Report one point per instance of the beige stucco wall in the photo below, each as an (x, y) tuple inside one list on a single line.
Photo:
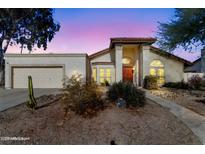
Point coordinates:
[(73, 63), (88, 69), (108, 57), (118, 62), (174, 70), (133, 52)]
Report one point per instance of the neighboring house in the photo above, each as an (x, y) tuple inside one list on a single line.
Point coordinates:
[(197, 67), (126, 59)]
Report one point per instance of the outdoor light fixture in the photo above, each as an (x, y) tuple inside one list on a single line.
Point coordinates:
[(133, 69)]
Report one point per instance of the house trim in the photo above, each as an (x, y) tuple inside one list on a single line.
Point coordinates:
[(169, 55), (103, 63)]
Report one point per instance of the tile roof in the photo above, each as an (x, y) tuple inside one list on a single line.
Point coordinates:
[(99, 53), (162, 52), (132, 40)]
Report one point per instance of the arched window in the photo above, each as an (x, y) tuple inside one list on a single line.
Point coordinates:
[(127, 61), (157, 69)]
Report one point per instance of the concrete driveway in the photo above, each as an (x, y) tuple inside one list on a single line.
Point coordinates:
[(12, 97)]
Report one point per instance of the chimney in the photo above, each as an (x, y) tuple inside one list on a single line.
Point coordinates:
[(203, 60)]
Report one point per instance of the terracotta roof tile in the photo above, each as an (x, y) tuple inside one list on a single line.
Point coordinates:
[(131, 40)]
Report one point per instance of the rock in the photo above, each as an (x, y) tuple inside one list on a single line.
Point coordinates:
[(121, 102), (60, 123)]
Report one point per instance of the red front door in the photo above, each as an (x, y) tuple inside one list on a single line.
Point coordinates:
[(127, 74)]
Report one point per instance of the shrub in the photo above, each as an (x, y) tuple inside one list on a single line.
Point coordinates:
[(195, 82), (177, 85), (133, 96), (150, 82), (105, 83), (81, 97)]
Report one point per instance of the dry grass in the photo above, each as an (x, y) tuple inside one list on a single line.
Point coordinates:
[(50, 125)]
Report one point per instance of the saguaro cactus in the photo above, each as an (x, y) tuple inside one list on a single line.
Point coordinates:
[(32, 101)]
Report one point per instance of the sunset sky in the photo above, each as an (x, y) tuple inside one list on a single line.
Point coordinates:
[(90, 30)]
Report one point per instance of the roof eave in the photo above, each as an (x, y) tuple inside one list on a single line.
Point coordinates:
[(99, 53), (173, 56), (145, 41)]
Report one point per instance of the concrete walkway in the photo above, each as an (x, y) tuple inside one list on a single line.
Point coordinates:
[(193, 120), (12, 97)]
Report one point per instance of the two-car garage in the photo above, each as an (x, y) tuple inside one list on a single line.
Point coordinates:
[(47, 70), (42, 76)]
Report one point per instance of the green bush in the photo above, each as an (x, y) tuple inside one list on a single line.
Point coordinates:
[(107, 83), (133, 96), (177, 85), (81, 97), (150, 82)]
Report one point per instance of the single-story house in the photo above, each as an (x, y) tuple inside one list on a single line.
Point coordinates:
[(126, 59), (197, 67)]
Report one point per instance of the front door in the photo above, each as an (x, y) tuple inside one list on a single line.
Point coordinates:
[(127, 74)]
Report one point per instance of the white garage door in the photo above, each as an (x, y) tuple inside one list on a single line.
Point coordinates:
[(43, 77)]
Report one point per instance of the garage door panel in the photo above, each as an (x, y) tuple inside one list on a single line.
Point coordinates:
[(42, 77)]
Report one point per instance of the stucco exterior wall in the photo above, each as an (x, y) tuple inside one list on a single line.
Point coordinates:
[(108, 57), (73, 63), (133, 52), (130, 52), (118, 62), (88, 69), (174, 70)]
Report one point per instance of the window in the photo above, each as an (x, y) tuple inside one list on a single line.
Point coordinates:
[(126, 61), (157, 69), (105, 74), (95, 74)]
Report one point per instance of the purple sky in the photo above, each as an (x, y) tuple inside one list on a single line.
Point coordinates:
[(90, 30)]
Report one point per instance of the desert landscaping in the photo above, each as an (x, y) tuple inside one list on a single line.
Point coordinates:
[(49, 124), (191, 99)]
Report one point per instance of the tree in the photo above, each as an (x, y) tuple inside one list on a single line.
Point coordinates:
[(186, 29), (28, 28)]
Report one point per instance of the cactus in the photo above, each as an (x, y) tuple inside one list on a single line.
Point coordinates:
[(32, 101)]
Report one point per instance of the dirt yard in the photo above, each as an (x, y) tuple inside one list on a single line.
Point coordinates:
[(193, 100), (148, 125)]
